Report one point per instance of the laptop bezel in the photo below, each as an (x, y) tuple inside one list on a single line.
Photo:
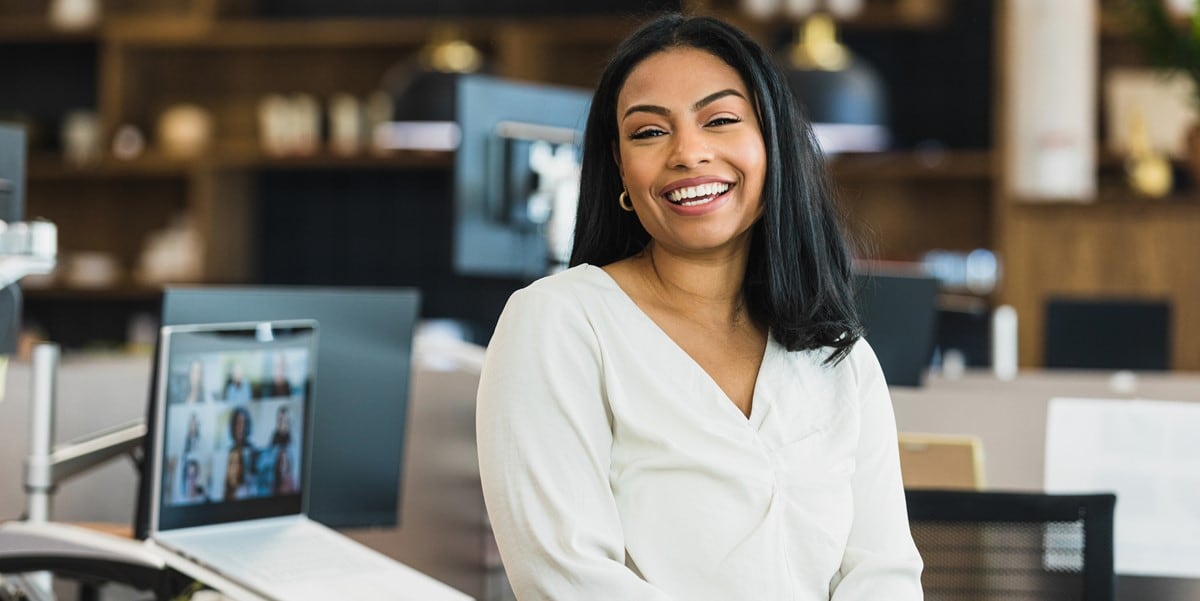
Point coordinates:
[(162, 364)]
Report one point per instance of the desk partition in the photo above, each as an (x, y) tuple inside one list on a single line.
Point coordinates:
[(1010, 419)]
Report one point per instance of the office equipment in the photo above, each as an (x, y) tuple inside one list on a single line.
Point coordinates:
[(967, 330), (1146, 452), (230, 495), (1108, 334), (898, 313), (842, 94), (941, 461), (1010, 419), (12, 204), (365, 359), (12, 173), (983, 545), (516, 186)]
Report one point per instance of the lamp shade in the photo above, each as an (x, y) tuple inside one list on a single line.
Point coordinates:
[(852, 95), (843, 95)]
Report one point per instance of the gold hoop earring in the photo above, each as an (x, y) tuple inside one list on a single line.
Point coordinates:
[(624, 201)]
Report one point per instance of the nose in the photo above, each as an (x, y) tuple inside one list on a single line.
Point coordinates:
[(689, 148)]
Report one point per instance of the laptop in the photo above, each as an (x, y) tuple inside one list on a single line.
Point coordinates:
[(233, 432)]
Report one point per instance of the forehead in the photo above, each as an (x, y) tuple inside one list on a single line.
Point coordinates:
[(678, 76)]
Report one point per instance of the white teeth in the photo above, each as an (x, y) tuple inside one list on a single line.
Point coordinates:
[(703, 191)]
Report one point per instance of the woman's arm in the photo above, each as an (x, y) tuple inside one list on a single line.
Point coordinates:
[(544, 434), (881, 561)]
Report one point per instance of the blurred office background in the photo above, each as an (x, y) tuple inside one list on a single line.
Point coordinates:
[(1012, 153), (232, 141)]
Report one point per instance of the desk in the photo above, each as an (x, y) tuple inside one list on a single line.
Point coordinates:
[(443, 532), (1010, 419)]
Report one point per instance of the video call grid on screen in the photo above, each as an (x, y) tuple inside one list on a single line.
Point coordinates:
[(234, 427)]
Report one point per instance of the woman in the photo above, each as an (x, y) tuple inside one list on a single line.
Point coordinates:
[(235, 475), (688, 412), (193, 486), (195, 393), (279, 385)]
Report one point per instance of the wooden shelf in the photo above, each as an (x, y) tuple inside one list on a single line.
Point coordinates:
[(889, 166), (154, 166), (262, 34), (1115, 201), (128, 292), (47, 166), (36, 29), (253, 158), (875, 14)]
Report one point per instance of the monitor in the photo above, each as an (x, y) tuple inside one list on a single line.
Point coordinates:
[(515, 172), (1108, 333), (361, 393), (12, 208), (899, 316)]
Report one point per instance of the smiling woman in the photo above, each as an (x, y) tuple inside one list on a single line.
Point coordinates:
[(690, 152), (688, 412)]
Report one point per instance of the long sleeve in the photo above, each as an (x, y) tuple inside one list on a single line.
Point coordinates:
[(545, 435), (880, 561)]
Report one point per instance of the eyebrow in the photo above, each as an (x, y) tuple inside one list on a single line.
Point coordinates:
[(664, 111)]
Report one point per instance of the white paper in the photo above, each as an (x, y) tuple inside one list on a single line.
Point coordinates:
[(1148, 453)]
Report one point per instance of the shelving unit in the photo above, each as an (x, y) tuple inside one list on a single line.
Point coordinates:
[(1116, 245), (217, 55)]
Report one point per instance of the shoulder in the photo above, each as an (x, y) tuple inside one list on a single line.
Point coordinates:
[(556, 306), (568, 292), (856, 376), (861, 360)]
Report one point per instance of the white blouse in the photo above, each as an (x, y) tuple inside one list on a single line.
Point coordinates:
[(614, 467)]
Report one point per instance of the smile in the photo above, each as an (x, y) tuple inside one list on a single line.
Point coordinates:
[(693, 196)]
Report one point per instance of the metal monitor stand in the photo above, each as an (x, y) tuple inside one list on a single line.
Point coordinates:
[(30, 547), (38, 541), (47, 466)]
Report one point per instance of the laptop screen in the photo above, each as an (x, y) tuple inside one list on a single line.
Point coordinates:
[(233, 434)]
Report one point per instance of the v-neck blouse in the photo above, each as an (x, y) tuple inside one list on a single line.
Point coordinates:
[(615, 467)]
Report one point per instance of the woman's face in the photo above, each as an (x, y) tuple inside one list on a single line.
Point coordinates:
[(690, 151), (239, 426), (280, 370)]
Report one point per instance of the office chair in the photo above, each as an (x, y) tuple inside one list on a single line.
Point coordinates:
[(983, 546), (1108, 334)]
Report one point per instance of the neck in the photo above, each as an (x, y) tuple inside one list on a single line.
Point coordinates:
[(709, 288)]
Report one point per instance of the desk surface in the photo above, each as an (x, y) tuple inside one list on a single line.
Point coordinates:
[(1010, 419)]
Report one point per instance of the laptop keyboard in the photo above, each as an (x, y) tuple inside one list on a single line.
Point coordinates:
[(294, 553)]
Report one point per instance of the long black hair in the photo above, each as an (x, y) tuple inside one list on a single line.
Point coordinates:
[(798, 279)]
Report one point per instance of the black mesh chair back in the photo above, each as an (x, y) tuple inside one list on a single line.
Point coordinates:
[(994, 546)]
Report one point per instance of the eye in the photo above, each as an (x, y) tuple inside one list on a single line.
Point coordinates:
[(649, 132), (719, 121)]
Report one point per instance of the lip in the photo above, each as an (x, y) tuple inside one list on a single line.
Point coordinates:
[(704, 209), (693, 181)]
